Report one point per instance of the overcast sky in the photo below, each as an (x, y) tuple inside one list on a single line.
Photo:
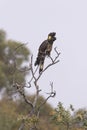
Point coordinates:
[(31, 21)]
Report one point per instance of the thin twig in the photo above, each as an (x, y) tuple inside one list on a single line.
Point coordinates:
[(32, 76), (19, 46), (31, 66)]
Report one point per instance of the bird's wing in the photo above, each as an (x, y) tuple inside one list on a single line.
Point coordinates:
[(43, 46)]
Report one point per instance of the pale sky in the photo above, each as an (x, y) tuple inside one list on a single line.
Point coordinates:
[(31, 21)]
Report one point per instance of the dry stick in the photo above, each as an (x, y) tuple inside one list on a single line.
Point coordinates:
[(36, 86), (21, 70), (54, 61), (52, 94), (36, 96), (22, 93), (35, 83), (56, 53), (22, 125), (32, 76)]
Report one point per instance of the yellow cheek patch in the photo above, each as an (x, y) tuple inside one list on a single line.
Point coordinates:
[(49, 37)]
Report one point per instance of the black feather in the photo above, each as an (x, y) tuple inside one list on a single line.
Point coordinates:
[(44, 50)]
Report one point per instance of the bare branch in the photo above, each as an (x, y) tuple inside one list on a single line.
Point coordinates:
[(32, 76), (22, 125), (36, 96), (31, 66), (35, 82), (21, 91), (53, 61), (20, 88), (51, 94), (58, 53), (23, 70)]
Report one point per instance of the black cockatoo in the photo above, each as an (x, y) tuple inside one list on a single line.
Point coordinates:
[(45, 50)]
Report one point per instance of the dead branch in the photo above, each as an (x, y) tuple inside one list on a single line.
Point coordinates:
[(23, 70), (31, 66), (53, 61), (51, 94), (34, 79), (22, 125), (20, 89)]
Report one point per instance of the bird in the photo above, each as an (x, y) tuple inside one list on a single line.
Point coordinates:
[(45, 50)]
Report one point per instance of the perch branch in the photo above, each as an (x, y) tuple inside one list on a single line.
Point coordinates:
[(53, 61)]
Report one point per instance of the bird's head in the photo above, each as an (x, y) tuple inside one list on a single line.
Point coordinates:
[(51, 36)]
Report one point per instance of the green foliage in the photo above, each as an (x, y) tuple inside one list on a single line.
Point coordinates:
[(12, 113), (8, 117), (13, 56), (69, 119), (29, 120), (62, 116), (2, 36), (81, 118)]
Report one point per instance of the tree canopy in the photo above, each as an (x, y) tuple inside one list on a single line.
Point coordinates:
[(11, 114), (13, 55)]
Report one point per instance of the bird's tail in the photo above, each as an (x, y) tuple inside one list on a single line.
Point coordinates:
[(37, 62), (40, 61), (41, 66)]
